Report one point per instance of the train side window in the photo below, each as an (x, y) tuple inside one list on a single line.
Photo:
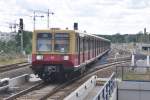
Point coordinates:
[(76, 49), (93, 47), (81, 44), (84, 44), (77, 43), (87, 44)]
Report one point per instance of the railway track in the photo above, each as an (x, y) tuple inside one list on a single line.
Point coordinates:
[(121, 53), (110, 60), (13, 66), (60, 94), (44, 91)]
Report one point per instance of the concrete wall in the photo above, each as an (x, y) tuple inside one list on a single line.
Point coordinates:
[(132, 90), (114, 95)]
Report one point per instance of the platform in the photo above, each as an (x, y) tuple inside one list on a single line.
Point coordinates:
[(94, 89)]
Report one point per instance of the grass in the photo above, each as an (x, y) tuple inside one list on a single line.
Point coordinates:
[(137, 76), (6, 60)]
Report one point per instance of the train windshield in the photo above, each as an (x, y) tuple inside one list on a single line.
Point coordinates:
[(44, 42), (61, 42)]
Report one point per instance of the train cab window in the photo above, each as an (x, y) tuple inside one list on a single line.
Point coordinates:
[(81, 44), (44, 42), (77, 43), (61, 42)]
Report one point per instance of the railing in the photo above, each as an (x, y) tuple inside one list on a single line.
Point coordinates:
[(106, 91)]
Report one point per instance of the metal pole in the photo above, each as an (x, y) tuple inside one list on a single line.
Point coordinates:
[(22, 41), (48, 14), (148, 57), (48, 19), (34, 21)]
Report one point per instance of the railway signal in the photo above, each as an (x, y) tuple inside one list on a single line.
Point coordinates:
[(21, 24), (21, 33), (75, 26)]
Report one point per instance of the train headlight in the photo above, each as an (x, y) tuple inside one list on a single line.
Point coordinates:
[(39, 57), (66, 57)]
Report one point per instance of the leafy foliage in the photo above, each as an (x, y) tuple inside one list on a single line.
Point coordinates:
[(14, 46), (127, 38), (27, 41)]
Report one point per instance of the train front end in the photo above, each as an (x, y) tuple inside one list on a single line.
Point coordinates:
[(52, 53)]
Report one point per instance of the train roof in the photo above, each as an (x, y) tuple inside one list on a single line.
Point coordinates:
[(76, 31), (92, 35)]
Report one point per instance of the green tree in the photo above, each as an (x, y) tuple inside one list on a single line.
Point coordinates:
[(27, 41)]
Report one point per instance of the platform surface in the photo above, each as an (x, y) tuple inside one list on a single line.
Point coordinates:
[(93, 93)]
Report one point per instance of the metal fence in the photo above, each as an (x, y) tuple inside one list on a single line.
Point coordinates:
[(128, 73), (106, 91)]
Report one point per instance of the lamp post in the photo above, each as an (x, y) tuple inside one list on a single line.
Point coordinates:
[(21, 27)]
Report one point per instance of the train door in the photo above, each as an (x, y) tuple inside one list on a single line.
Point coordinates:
[(78, 44), (92, 48), (84, 49), (99, 46), (81, 50), (96, 47), (88, 48), (102, 46)]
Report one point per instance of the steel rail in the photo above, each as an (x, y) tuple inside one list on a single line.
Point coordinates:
[(88, 74), (12, 97), (13, 66), (57, 88)]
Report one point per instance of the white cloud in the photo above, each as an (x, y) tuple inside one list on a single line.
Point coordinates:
[(95, 16)]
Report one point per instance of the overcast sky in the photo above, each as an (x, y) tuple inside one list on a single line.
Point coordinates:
[(94, 16)]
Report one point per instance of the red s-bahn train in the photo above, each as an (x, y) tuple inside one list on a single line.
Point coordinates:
[(57, 54)]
